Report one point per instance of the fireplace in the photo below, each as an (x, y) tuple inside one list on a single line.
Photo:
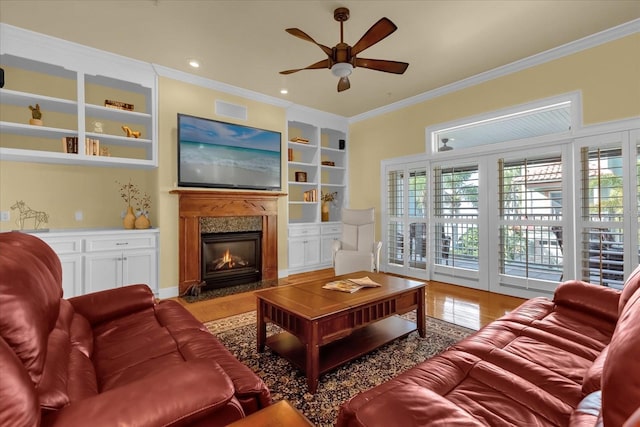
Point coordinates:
[(197, 204), (230, 258)]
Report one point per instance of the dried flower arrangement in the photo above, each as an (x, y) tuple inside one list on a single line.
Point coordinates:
[(129, 192), (131, 196), (328, 197)]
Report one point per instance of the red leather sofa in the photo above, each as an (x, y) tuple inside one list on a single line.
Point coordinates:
[(112, 358), (570, 361)]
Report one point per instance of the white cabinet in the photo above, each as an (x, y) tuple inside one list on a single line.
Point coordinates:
[(121, 259), (95, 260), (310, 246), (304, 247), (72, 84), (69, 250)]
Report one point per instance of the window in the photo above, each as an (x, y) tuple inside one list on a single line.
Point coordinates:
[(546, 119), (530, 204)]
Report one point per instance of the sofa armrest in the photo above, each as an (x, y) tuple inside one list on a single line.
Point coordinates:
[(175, 396), (98, 307), (407, 405), (596, 299)]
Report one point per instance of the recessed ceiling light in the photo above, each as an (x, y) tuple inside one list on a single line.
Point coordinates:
[(194, 63), (284, 91)]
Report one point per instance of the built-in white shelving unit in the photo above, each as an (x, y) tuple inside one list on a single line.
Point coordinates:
[(71, 82), (318, 165)]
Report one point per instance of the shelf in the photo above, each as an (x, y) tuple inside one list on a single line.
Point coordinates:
[(333, 168), (120, 140), (330, 150), (302, 164), (114, 114), (294, 202), (36, 131), (302, 145), (47, 103), (332, 185), (308, 184), (18, 155)]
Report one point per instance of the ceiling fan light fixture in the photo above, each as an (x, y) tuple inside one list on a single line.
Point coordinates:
[(341, 69)]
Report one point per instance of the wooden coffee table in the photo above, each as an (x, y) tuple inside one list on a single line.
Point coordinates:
[(324, 329)]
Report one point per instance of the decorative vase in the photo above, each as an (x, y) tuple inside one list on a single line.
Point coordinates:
[(325, 211), (129, 219), (35, 122), (142, 222)]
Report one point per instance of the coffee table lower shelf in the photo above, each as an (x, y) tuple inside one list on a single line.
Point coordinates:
[(360, 342)]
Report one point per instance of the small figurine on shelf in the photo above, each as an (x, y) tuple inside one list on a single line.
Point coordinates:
[(36, 115), (131, 133)]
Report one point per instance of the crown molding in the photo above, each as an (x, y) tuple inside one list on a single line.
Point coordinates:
[(171, 73), (584, 43)]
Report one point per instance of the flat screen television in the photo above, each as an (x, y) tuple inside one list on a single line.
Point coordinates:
[(225, 155)]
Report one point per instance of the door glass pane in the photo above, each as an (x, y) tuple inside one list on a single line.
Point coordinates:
[(603, 214), (456, 209), (531, 210), (395, 208)]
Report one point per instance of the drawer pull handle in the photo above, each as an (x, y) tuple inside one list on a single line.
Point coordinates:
[(122, 243)]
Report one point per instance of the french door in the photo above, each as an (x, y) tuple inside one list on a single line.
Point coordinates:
[(406, 240)]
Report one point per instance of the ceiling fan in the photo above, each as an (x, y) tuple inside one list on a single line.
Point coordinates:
[(342, 58)]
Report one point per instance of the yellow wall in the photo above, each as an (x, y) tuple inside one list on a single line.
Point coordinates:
[(608, 77), (179, 97)]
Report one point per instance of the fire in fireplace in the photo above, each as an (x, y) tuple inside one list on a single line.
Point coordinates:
[(231, 258)]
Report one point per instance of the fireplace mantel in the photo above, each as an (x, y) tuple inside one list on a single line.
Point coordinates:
[(194, 204)]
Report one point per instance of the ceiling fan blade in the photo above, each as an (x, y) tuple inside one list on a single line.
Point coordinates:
[(325, 63), (377, 32), (343, 84), (304, 36), (394, 67)]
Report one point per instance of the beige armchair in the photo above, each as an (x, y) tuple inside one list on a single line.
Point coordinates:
[(357, 250)]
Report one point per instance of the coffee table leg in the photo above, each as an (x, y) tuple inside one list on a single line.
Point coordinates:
[(261, 327), (421, 313), (313, 358)]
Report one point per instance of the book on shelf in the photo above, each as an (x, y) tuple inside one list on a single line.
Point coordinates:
[(351, 285), (118, 105), (92, 147), (310, 195), (70, 144)]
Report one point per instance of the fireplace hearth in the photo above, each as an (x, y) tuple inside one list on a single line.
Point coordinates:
[(230, 259)]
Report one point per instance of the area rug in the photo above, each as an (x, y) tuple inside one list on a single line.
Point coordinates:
[(238, 333)]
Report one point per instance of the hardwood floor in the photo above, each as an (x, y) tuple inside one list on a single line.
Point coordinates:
[(455, 304)]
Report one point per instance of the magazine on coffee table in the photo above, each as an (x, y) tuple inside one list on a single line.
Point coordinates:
[(351, 285)]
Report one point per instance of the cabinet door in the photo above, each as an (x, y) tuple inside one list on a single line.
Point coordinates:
[(296, 253), (103, 271), (312, 251), (71, 275), (327, 249), (138, 267)]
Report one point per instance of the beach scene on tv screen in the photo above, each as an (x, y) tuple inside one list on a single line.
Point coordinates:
[(224, 154)]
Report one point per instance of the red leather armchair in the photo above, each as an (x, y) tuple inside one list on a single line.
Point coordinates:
[(110, 358), (570, 361)]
